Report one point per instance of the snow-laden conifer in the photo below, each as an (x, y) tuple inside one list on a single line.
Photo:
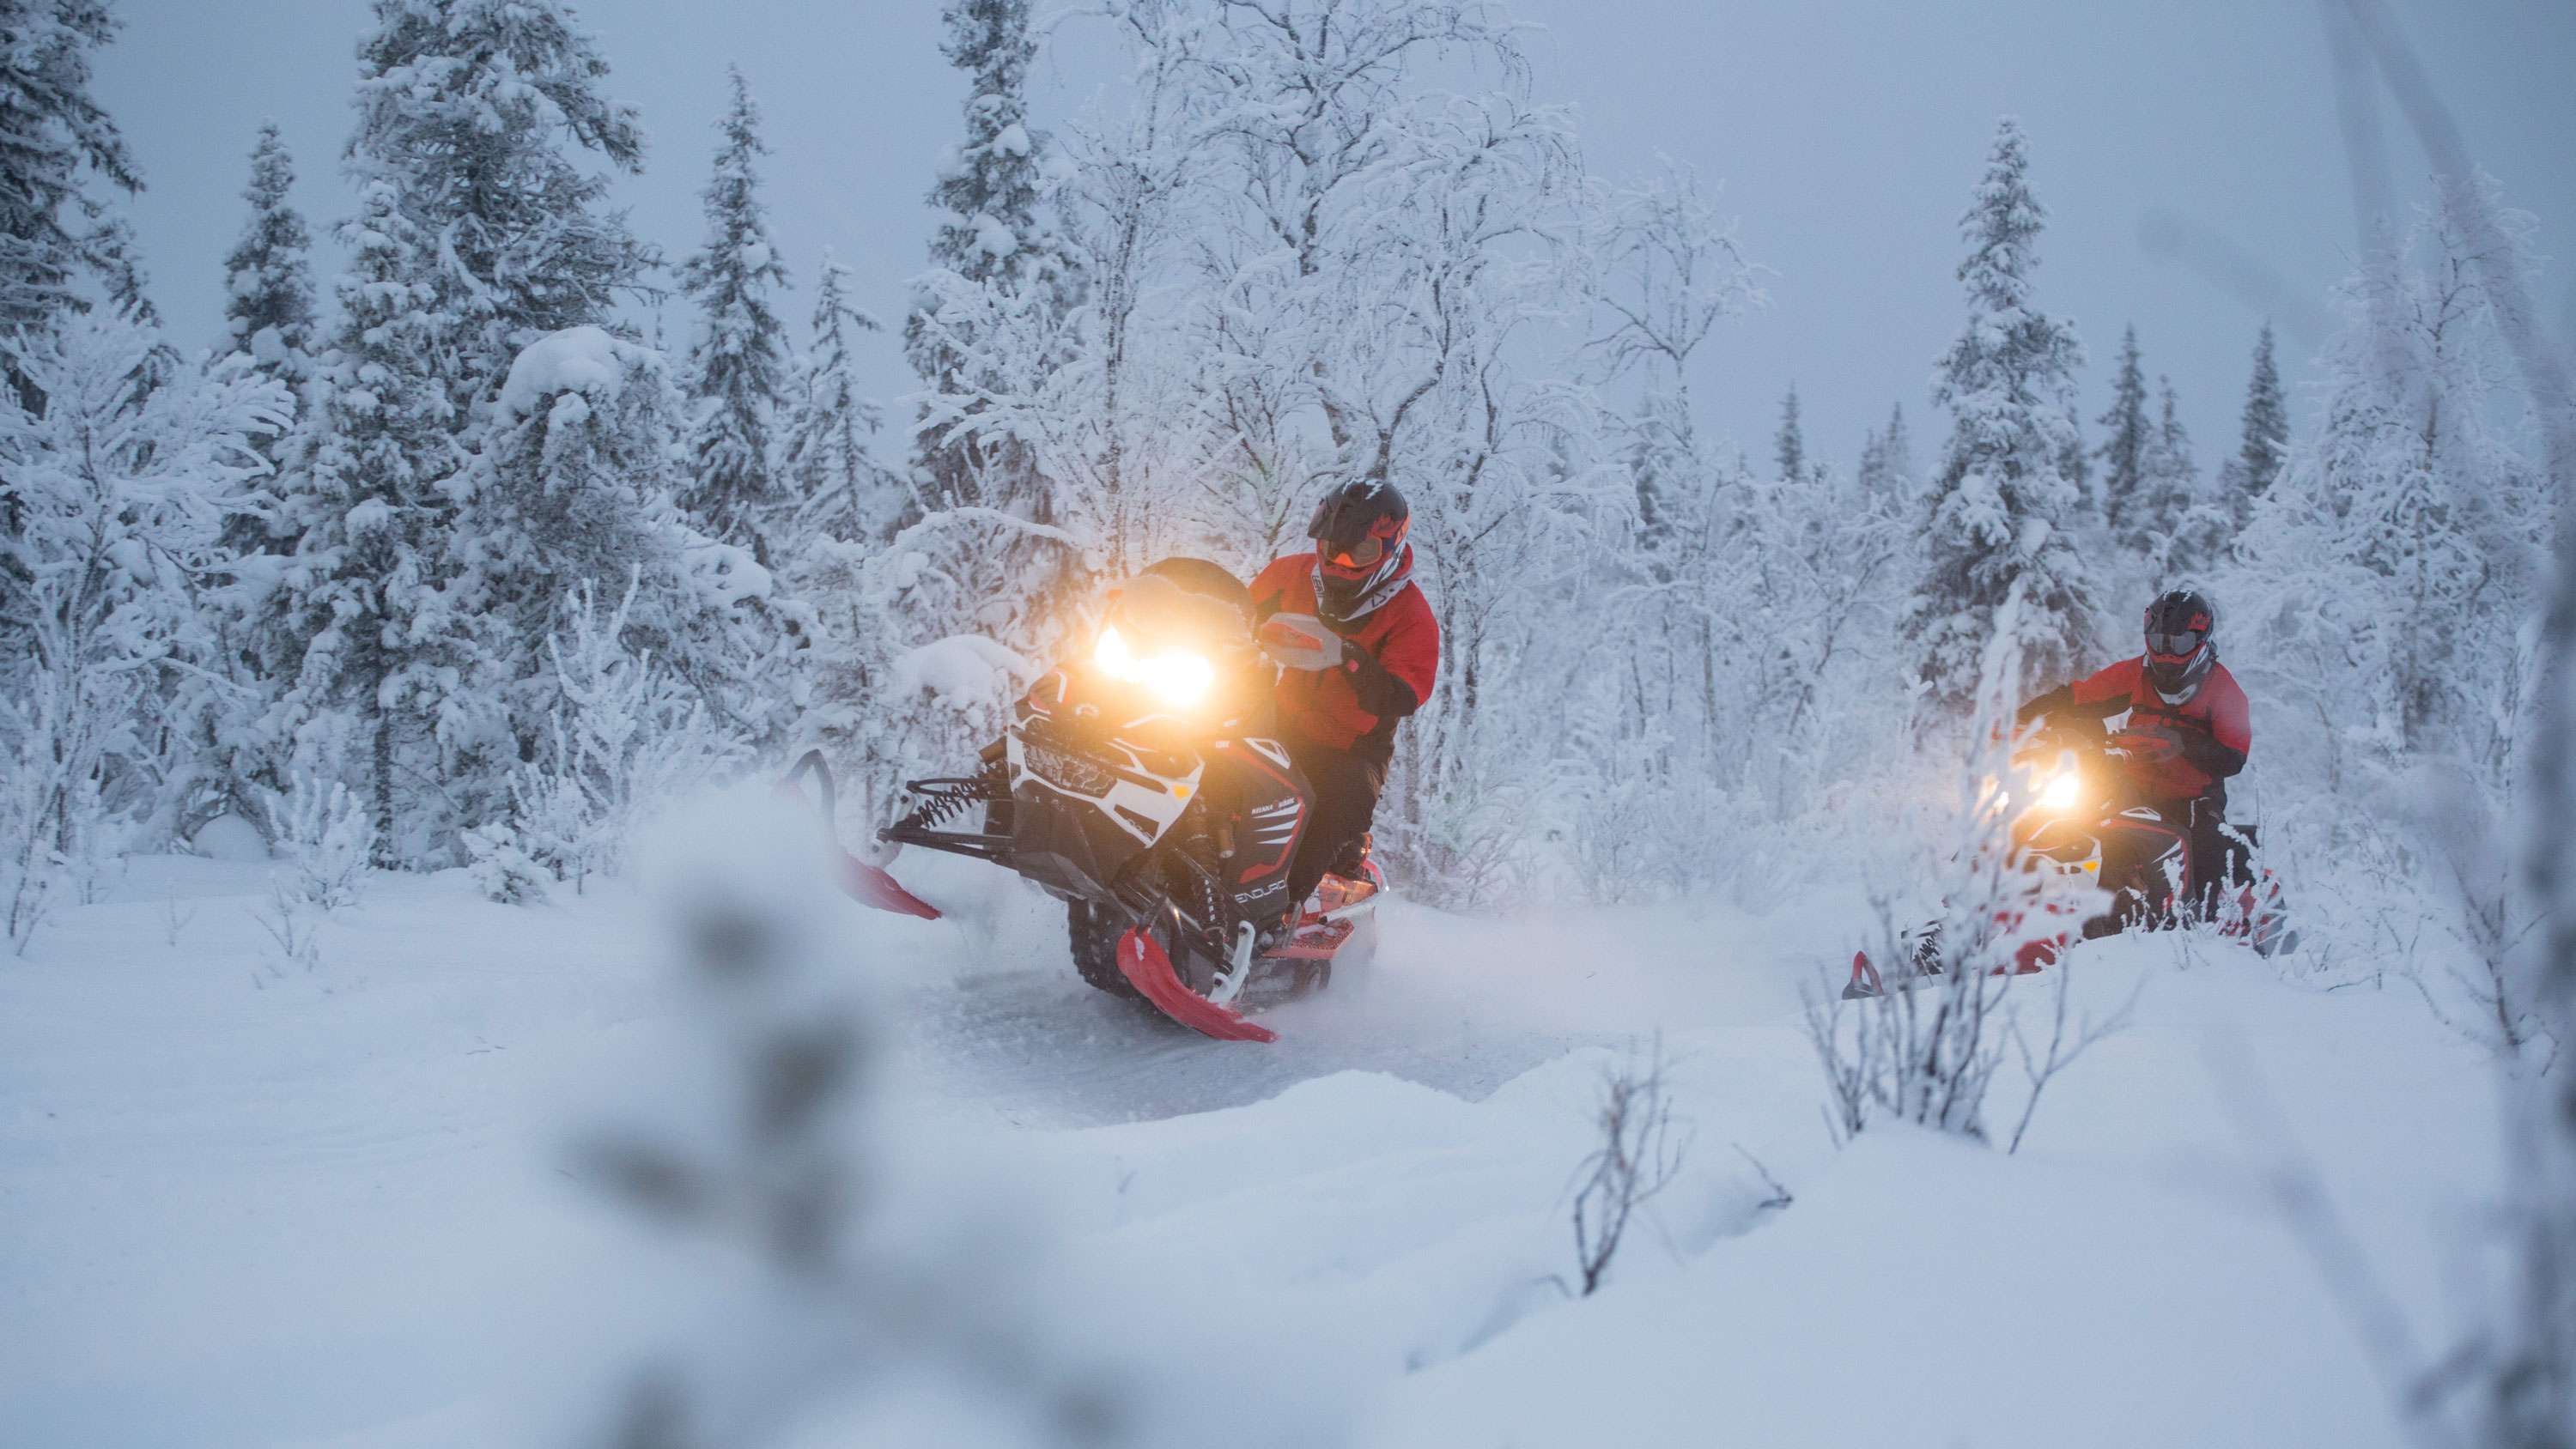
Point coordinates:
[(346, 641), (268, 275), (736, 367), (840, 491), (2002, 503), (1887, 459), (465, 108), (2129, 437), (2163, 522), (480, 235), (2248, 476), (1789, 445), (993, 238), (53, 134)]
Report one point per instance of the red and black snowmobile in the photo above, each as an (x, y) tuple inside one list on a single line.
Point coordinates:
[(2081, 816), (1139, 784)]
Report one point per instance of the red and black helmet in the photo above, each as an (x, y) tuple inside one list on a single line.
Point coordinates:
[(1359, 532), (2181, 643)]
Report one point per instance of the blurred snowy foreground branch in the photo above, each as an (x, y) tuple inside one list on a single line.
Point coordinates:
[(824, 1265)]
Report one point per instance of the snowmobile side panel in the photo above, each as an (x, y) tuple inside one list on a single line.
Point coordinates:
[(1146, 968)]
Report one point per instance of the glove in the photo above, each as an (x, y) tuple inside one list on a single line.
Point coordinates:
[(2151, 743), (1300, 641)]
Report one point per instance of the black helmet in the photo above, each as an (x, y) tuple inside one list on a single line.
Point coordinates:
[(1359, 532), (2181, 643)]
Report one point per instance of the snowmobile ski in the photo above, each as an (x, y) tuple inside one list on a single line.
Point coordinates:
[(1147, 969), (862, 882)]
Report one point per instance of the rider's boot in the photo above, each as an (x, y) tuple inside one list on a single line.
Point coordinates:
[(1352, 879)]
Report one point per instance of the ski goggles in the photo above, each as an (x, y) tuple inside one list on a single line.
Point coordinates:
[(1355, 558), (2176, 646)]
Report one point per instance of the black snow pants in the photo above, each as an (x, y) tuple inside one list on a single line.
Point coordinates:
[(2213, 859), (1346, 786)]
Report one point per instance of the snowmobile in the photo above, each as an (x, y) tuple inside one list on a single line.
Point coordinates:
[(2083, 817), (1139, 784)]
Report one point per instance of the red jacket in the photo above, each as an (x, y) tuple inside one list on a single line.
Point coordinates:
[(1387, 677), (2215, 726)]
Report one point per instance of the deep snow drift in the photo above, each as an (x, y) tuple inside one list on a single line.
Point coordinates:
[(250, 1204)]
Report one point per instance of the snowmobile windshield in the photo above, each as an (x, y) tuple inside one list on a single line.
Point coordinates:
[(1153, 610)]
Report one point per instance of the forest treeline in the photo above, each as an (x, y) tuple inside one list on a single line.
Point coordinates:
[(443, 551)]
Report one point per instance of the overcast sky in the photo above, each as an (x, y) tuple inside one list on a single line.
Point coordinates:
[(1847, 135)]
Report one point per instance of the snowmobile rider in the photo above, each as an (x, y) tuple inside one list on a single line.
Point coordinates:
[(2188, 731), (1359, 648)]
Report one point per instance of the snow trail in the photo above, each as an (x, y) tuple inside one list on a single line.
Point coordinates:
[(251, 1206)]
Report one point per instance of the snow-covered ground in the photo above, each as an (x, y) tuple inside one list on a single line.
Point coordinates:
[(243, 1203)]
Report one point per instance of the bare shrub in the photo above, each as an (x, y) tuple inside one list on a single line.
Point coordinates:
[(1926, 1049), (1640, 1153)]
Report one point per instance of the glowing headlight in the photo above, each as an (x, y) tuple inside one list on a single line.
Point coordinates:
[(2062, 792), (1177, 678)]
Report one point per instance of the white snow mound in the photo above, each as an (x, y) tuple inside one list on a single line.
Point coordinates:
[(961, 669), (585, 359)]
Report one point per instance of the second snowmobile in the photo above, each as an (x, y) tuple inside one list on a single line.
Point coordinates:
[(2079, 815)]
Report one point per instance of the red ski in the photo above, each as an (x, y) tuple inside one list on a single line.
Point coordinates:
[(862, 882), (1150, 972)]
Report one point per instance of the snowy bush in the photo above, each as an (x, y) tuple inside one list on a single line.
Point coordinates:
[(1926, 1049), (621, 735), (323, 830), (112, 570)]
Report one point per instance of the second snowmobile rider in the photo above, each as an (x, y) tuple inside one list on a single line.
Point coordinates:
[(1360, 649), (2188, 731)]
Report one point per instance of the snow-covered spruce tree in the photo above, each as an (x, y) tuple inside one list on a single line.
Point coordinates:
[(53, 134), (2129, 437), (268, 275), (992, 238), (1887, 459), (2247, 477), (2002, 502), (2159, 523), (111, 650), (480, 236), (268, 305), (737, 361), (840, 491), (1789, 445), (569, 497), (342, 632)]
